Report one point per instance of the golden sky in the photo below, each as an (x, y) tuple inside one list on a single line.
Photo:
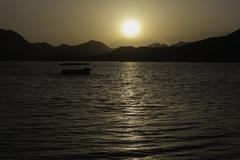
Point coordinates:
[(77, 21)]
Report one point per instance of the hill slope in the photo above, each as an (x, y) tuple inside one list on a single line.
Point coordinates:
[(15, 47), (218, 49)]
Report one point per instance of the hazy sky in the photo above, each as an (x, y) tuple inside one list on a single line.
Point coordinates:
[(77, 21)]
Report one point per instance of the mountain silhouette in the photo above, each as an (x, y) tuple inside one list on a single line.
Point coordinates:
[(85, 50), (235, 34), (217, 49), (15, 47), (9, 39), (179, 44), (157, 45)]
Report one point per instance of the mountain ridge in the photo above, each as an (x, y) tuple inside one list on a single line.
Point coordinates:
[(14, 47), (216, 49)]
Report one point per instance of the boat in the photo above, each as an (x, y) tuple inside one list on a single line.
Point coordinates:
[(75, 68)]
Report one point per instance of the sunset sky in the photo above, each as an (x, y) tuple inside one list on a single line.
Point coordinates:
[(77, 21)]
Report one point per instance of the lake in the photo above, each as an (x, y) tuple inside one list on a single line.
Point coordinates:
[(165, 111)]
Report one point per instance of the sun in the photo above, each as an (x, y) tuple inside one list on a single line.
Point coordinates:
[(131, 28)]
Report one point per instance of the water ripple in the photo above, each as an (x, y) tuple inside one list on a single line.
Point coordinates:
[(133, 111)]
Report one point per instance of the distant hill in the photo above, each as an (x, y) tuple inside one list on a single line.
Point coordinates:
[(15, 47), (9, 39), (83, 51), (157, 45), (180, 44), (218, 49)]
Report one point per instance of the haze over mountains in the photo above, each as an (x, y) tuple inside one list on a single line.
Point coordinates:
[(155, 45), (219, 49)]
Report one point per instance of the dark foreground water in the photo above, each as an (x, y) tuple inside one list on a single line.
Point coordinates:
[(165, 111)]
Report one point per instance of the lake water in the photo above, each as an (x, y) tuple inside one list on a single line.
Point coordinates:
[(165, 111)]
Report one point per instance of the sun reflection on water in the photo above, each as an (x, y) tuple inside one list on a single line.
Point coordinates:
[(131, 115)]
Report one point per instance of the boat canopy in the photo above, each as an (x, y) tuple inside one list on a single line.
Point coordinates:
[(74, 64)]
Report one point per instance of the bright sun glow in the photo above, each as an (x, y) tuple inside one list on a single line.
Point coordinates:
[(131, 28)]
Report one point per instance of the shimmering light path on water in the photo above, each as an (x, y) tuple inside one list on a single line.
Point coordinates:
[(121, 111)]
